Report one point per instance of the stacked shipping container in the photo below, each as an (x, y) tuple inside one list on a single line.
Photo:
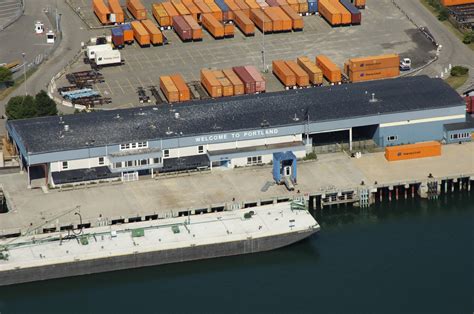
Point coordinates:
[(116, 10), (101, 11), (330, 70), (373, 68)]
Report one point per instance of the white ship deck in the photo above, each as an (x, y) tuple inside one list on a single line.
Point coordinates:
[(154, 235)]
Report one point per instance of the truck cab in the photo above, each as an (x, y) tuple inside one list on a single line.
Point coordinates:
[(405, 64)]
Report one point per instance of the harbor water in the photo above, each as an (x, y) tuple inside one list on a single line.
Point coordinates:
[(408, 256)]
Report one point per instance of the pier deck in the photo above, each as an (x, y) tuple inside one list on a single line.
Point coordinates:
[(167, 196)]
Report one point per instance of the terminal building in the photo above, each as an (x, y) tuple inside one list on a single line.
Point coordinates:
[(236, 131)]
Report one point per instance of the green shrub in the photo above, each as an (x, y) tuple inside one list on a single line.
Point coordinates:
[(459, 71)]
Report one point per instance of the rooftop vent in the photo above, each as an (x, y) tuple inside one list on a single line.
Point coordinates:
[(295, 118), (117, 116), (176, 115), (169, 132), (66, 128), (61, 120), (264, 123), (373, 99)]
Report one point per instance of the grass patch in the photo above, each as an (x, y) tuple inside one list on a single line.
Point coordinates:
[(7, 91), (447, 23), (457, 81)]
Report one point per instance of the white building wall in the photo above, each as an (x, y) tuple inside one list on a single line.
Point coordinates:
[(267, 158), (78, 164)]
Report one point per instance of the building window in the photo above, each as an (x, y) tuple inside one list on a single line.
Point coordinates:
[(101, 160), (200, 149), (392, 138), (133, 145), (130, 163), (157, 160), (143, 162), (65, 165), (166, 153), (254, 160)]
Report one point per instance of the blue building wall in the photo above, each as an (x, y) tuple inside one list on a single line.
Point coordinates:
[(412, 133), (460, 135)]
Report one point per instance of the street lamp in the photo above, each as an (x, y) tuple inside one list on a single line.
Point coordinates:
[(263, 41), (24, 71)]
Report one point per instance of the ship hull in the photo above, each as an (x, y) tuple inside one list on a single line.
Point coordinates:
[(115, 263)]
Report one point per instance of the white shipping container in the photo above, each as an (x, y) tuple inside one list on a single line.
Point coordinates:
[(108, 57), (92, 50)]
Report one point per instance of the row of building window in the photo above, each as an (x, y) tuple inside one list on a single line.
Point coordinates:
[(166, 152), (65, 164), (459, 136), (392, 138), (137, 145), (136, 163), (254, 160)]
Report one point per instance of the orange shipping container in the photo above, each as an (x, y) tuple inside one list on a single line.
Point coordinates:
[(368, 75), (260, 19), (244, 23), (329, 12), (286, 20), (180, 7), (210, 83), (294, 5), (243, 6), (374, 62), (302, 78), (227, 87), (140, 33), (193, 9), (232, 6), (197, 30), (296, 20), (213, 26), (161, 15), (303, 6), (277, 20), (360, 4), (116, 9), (413, 151), (346, 17), (156, 37), (170, 10), (283, 72), (252, 4), (202, 7), (169, 89), (228, 30), (137, 9), (315, 74), (183, 89), (236, 82), (448, 3), (101, 11), (330, 71), (214, 9)]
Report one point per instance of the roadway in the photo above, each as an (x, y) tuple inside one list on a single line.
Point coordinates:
[(453, 51)]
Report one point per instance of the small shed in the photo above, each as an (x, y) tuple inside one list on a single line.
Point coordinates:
[(284, 165)]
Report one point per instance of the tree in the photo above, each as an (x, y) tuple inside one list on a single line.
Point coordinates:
[(468, 38), (20, 107), (5, 75), (459, 70), (45, 106), (443, 14)]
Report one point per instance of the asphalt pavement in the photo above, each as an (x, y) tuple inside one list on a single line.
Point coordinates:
[(453, 51)]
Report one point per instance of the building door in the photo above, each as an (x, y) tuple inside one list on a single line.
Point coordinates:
[(130, 176), (287, 171)]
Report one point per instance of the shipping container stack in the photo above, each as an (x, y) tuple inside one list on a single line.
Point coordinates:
[(372, 68), (174, 88), (117, 15), (101, 11), (359, 4), (140, 34)]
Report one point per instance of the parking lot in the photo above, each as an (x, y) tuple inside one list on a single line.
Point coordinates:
[(384, 29)]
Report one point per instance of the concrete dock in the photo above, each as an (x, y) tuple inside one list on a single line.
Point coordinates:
[(167, 196)]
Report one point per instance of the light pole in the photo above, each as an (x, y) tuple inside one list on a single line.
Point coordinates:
[(24, 71), (263, 41)]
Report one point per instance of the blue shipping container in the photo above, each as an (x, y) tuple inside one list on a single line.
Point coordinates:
[(312, 6), (222, 5), (126, 27)]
